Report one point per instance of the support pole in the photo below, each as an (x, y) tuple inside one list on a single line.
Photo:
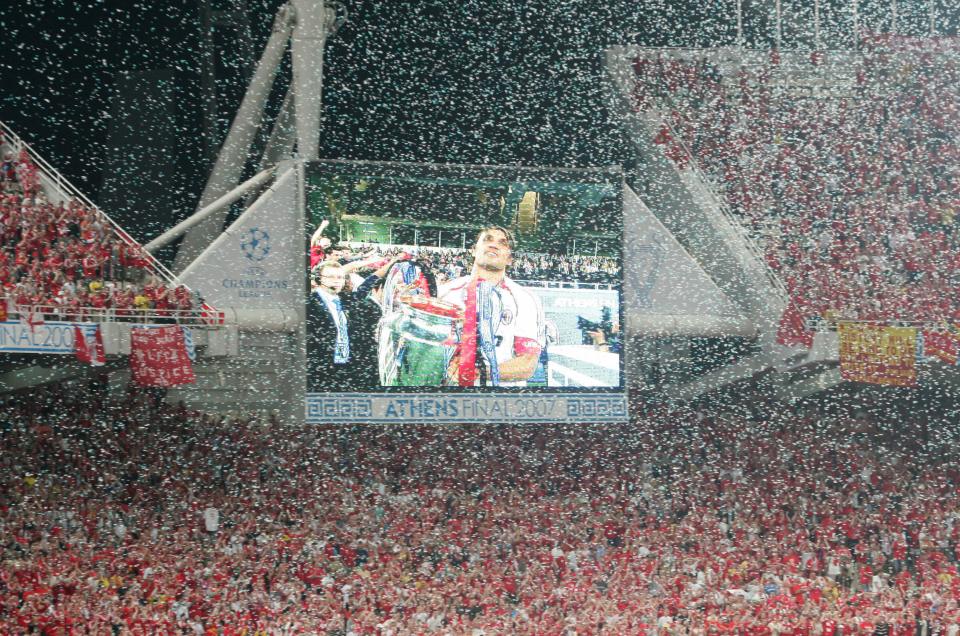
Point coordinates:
[(817, 44), (233, 154), (279, 146), (220, 205), (315, 19), (778, 38), (740, 23), (856, 23)]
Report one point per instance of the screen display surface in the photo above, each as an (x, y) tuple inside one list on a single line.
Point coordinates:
[(445, 279)]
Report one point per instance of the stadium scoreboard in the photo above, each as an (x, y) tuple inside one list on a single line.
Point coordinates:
[(474, 294)]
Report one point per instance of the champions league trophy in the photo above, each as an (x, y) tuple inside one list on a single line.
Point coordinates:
[(416, 335), (419, 334)]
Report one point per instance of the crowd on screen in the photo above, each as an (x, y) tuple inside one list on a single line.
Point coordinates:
[(68, 258), (853, 198), (450, 263), (124, 515)]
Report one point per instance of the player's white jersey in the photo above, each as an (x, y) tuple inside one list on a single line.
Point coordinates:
[(521, 327)]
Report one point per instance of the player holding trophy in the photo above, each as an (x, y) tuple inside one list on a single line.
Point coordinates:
[(503, 324), (482, 329)]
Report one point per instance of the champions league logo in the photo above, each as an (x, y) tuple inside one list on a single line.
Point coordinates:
[(255, 244), (255, 281)]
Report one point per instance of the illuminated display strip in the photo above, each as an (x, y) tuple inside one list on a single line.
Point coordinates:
[(583, 366), (561, 375), (466, 408)]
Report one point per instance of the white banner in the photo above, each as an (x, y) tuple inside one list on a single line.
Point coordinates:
[(660, 277), (466, 408), (48, 337), (258, 261)]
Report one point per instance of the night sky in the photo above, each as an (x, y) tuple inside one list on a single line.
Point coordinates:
[(472, 81)]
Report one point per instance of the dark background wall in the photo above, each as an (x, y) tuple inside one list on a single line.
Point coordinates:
[(111, 91)]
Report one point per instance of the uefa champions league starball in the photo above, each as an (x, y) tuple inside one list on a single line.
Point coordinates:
[(255, 244)]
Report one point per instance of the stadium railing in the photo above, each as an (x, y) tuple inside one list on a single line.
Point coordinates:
[(818, 324), (35, 314)]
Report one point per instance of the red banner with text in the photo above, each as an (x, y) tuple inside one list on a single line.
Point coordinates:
[(158, 357)]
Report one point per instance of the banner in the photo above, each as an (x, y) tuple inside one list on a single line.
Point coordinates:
[(50, 337), (158, 357), (941, 345), (88, 344), (188, 343), (465, 408), (878, 355), (258, 261), (792, 330), (657, 261), (31, 319)]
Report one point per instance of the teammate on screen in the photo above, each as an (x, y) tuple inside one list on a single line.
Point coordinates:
[(328, 329), (520, 328), (319, 244)]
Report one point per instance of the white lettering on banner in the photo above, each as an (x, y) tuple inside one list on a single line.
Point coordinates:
[(580, 302), (254, 288), (233, 283), (158, 357), (50, 337), (373, 408), (420, 407)]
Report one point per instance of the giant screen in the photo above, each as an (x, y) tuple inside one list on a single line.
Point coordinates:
[(463, 293)]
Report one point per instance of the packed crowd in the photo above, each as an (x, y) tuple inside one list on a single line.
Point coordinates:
[(128, 516), (854, 198), (449, 263), (67, 257)]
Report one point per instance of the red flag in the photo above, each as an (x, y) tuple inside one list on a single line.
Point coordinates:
[(88, 345), (792, 330), (942, 345), (158, 357)]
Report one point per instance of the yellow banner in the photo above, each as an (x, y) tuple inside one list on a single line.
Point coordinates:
[(877, 354)]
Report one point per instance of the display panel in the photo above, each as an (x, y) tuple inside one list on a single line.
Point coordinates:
[(462, 280)]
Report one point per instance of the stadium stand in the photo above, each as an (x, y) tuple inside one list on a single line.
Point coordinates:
[(125, 515), (449, 263), (67, 260), (851, 192)]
